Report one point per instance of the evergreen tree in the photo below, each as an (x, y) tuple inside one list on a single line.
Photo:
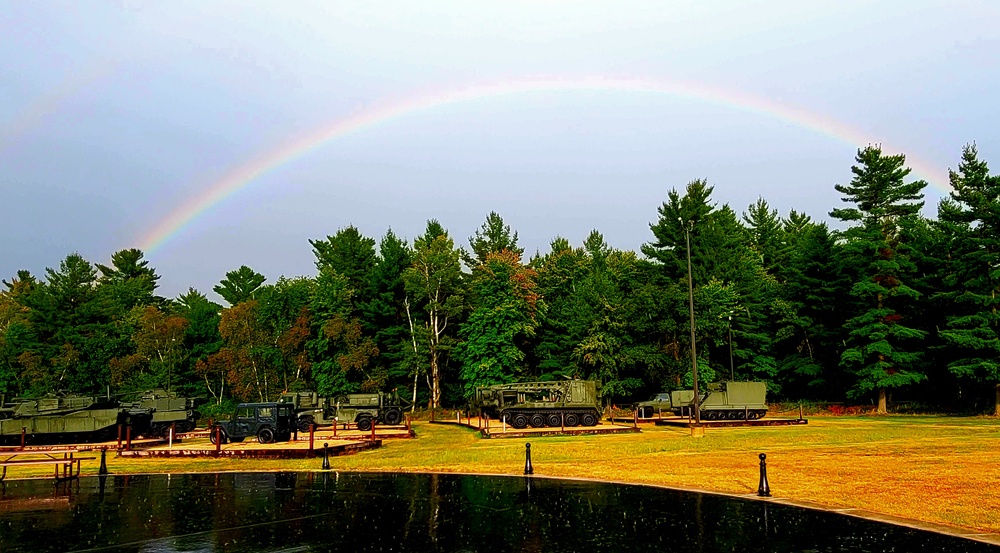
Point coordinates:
[(881, 351), (493, 237), (970, 221), (239, 285)]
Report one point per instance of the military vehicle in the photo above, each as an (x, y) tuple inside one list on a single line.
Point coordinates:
[(167, 409), (268, 422), (540, 404), (361, 409), (60, 418), (654, 406), (719, 401)]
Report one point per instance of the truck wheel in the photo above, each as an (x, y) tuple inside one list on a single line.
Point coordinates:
[(222, 436), (265, 435), (304, 424), (365, 424), (393, 416), (588, 419), (572, 419)]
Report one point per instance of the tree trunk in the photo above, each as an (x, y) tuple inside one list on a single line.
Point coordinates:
[(882, 402), (996, 404)]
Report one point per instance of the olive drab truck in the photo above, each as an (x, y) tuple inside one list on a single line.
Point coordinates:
[(539, 404), (362, 409), (723, 401)]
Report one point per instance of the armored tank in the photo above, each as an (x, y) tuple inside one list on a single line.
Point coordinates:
[(166, 409), (362, 409), (721, 401), (65, 418), (540, 404)]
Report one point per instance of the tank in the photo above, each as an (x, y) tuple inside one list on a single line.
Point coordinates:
[(724, 401), (61, 418), (539, 404), (360, 409), (166, 409)]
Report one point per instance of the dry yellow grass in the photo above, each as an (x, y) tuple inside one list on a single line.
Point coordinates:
[(938, 470)]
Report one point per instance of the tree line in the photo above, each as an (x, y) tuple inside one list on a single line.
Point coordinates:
[(896, 307)]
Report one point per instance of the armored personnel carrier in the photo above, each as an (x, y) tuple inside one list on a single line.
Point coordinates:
[(166, 409), (362, 409), (540, 404), (64, 418)]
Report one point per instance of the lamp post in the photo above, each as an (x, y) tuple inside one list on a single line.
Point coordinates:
[(732, 373), (688, 227)]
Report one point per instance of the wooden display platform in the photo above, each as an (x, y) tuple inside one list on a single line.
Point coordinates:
[(684, 422), (495, 429)]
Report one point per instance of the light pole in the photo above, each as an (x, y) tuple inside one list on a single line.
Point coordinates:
[(688, 227), (732, 373)]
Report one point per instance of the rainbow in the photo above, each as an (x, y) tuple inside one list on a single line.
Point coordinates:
[(240, 177)]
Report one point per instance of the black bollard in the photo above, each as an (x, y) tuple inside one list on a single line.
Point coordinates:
[(763, 490), (528, 469), (104, 462), (326, 457)]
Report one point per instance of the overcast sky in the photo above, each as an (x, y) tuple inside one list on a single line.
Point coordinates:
[(115, 115)]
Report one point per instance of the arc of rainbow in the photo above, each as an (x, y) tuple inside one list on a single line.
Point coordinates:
[(245, 174)]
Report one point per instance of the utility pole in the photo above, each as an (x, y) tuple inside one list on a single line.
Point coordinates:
[(688, 227)]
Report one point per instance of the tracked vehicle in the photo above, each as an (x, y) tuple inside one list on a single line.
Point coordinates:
[(539, 404), (166, 410), (60, 418)]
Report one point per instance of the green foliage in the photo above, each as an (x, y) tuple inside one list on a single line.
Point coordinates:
[(239, 285)]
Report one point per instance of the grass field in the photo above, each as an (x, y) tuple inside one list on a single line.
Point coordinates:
[(932, 469)]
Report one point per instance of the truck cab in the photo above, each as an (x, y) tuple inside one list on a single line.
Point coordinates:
[(268, 422)]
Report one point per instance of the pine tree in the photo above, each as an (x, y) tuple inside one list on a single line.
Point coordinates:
[(970, 219), (881, 352)]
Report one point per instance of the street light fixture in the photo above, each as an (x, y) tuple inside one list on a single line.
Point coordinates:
[(688, 227)]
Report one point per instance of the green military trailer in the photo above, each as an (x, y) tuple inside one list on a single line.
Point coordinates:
[(723, 401), (60, 418), (554, 403), (362, 409)]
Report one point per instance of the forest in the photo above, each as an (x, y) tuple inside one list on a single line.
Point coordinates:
[(894, 309)]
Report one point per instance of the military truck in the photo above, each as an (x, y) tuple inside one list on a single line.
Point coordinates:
[(655, 405), (719, 401), (167, 409), (541, 404), (61, 418), (268, 422), (363, 409)]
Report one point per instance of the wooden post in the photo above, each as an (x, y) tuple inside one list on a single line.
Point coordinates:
[(562, 421), (373, 430), (24, 435), (335, 422), (119, 437), (128, 437), (800, 411), (218, 439), (407, 424), (635, 418), (312, 431)]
